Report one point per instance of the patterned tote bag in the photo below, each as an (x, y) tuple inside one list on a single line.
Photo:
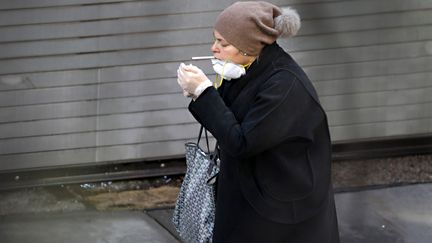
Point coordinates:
[(195, 207)]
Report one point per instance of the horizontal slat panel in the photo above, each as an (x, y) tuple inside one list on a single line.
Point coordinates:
[(147, 103), (41, 96), (47, 111), (377, 21), (148, 119), (145, 8), (17, 4), (58, 126), (374, 84), (77, 77), (156, 55), (106, 27), (358, 38), (47, 159), (47, 143), (111, 154), (203, 20), (362, 54), (106, 43), (91, 124), (150, 72), (367, 69), (89, 92), (158, 86), (384, 129), (376, 99), (140, 88), (359, 7), (108, 11), (90, 108), (380, 114), (49, 79), (93, 139)]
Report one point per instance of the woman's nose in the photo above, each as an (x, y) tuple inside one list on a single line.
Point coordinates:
[(214, 48)]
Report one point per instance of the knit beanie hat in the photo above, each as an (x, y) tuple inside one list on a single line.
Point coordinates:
[(251, 25)]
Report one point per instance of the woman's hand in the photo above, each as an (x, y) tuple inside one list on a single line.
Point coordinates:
[(192, 80)]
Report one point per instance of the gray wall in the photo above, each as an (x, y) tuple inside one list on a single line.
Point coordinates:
[(85, 81)]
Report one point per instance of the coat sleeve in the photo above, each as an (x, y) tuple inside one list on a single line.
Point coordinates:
[(282, 110)]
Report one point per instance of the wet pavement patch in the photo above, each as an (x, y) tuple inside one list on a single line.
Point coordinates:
[(131, 194), (138, 199), (39, 200)]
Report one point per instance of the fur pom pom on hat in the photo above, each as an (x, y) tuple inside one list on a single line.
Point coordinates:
[(288, 23), (249, 26)]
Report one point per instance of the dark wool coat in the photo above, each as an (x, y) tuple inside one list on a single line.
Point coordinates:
[(274, 181)]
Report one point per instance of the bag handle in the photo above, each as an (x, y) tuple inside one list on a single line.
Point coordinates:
[(206, 137), (214, 157), (207, 141)]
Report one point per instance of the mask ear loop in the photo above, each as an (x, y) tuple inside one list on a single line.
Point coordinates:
[(222, 77), (246, 66)]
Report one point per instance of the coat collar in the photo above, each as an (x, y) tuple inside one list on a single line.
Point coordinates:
[(230, 89)]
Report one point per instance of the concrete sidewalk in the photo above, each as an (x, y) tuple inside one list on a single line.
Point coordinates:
[(83, 227), (388, 215)]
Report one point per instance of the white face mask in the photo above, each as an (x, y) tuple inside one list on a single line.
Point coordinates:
[(228, 70)]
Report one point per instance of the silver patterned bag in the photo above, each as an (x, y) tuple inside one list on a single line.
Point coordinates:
[(194, 211)]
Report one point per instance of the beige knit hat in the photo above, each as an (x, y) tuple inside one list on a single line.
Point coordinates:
[(249, 26)]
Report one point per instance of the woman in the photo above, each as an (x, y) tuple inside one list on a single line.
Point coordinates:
[(274, 181)]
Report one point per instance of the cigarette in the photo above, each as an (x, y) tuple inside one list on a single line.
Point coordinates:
[(203, 58)]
